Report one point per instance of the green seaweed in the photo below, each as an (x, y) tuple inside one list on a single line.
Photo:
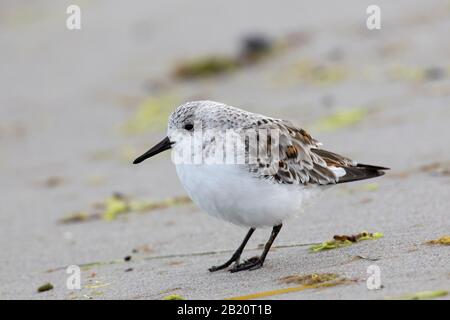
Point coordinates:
[(328, 281), (75, 217), (173, 297), (344, 241), (151, 114), (371, 187), (118, 204), (444, 240), (114, 206), (407, 73), (319, 74), (422, 295), (97, 284), (90, 265), (309, 279), (341, 119), (205, 67)]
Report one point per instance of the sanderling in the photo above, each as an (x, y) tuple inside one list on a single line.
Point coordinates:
[(261, 189)]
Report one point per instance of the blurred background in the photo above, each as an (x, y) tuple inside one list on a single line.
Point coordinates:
[(77, 106)]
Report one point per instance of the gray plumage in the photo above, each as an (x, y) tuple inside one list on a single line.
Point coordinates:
[(301, 159)]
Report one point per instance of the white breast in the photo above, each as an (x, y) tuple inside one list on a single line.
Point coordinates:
[(231, 193)]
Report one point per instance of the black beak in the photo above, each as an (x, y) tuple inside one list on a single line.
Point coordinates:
[(160, 147)]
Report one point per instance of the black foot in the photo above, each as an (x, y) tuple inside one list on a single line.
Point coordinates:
[(236, 255), (250, 264), (222, 266)]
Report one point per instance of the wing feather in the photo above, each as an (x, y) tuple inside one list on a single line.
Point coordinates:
[(302, 161)]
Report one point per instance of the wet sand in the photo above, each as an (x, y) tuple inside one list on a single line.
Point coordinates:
[(70, 126)]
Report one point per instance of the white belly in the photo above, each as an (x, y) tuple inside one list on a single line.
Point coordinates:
[(230, 192)]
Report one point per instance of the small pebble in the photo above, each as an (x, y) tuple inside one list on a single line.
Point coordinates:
[(45, 287)]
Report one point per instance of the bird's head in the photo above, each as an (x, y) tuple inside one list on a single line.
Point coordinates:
[(184, 121)]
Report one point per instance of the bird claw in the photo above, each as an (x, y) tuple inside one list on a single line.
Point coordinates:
[(234, 259), (215, 268), (250, 264)]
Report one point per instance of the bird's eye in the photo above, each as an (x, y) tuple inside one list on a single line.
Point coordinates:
[(188, 126)]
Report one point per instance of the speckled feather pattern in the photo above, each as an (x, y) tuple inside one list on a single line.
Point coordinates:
[(301, 160), (267, 192)]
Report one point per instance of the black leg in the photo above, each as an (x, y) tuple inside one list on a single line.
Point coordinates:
[(257, 262), (236, 255)]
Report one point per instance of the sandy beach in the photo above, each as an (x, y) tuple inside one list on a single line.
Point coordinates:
[(77, 106)]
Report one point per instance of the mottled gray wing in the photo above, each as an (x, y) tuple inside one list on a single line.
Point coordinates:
[(301, 161)]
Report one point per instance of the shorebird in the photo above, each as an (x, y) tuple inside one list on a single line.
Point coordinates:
[(262, 189)]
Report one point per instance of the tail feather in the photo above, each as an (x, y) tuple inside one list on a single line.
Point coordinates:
[(361, 172)]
